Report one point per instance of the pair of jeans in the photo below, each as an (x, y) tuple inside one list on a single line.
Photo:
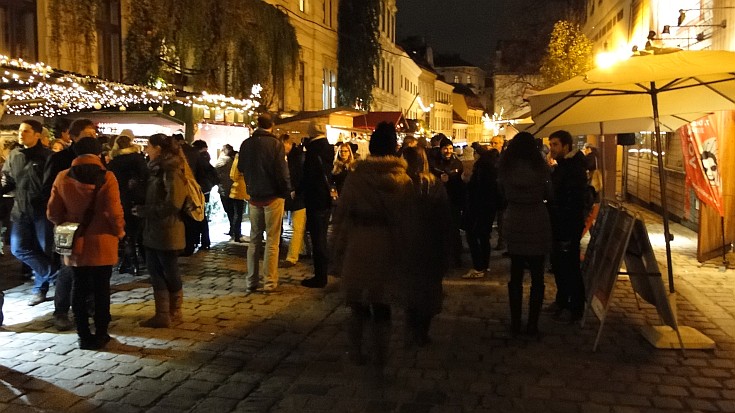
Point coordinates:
[(95, 281), (63, 293), (298, 225), (317, 223), (269, 220), (163, 267), (31, 240)]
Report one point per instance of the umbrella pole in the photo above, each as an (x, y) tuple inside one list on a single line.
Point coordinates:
[(662, 181)]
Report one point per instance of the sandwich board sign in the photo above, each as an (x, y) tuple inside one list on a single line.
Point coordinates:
[(604, 255), (616, 236)]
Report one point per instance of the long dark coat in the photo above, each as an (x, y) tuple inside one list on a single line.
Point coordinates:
[(527, 227), (369, 227)]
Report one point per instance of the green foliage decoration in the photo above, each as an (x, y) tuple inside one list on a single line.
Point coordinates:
[(221, 46), (358, 51), (568, 54), (73, 23)]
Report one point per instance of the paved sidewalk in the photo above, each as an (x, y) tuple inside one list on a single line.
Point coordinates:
[(284, 352)]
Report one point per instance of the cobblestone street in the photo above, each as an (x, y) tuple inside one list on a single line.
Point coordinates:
[(284, 351)]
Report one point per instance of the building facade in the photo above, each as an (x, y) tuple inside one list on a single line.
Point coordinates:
[(314, 85)]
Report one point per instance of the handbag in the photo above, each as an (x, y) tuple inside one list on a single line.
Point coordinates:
[(66, 233)]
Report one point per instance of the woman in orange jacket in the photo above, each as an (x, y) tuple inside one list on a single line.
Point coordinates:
[(95, 248)]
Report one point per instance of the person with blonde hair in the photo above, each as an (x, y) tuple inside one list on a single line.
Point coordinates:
[(344, 163), (430, 227)]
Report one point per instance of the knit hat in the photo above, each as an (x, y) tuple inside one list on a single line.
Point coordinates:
[(384, 141), (127, 132), (444, 142), (87, 146), (316, 129)]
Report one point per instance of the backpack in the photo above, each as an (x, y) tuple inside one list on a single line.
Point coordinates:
[(194, 203)]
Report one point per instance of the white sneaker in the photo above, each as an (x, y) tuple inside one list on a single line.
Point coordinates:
[(473, 273)]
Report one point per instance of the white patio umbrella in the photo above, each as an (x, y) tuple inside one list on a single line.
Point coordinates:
[(658, 87)]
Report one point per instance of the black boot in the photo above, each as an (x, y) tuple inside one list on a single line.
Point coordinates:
[(515, 298), (355, 326), (2, 301), (410, 331), (536, 300), (423, 323), (87, 341), (381, 333)]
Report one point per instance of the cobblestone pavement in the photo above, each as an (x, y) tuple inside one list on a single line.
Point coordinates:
[(284, 352)]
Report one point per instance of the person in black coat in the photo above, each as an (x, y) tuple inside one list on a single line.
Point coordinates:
[(482, 204), (131, 170), (569, 179), (296, 205), (317, 187), (448, 168)]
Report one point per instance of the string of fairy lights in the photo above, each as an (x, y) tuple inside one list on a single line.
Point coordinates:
[(36, 89)]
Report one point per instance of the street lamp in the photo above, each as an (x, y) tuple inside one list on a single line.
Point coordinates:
[(723, 24)]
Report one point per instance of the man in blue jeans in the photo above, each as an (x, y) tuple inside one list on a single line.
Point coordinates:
[(31, 235), (262, 161)]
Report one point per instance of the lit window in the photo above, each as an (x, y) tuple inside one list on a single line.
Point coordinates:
[(302, 5)]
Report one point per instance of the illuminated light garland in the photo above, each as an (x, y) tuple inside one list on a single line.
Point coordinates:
[(39, 90)]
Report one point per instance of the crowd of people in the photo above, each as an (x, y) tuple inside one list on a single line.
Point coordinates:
[(385, 212)]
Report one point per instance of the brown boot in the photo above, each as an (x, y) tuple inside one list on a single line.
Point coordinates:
[(161, 319), (175, 300)]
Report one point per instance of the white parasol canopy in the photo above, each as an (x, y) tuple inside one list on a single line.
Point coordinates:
[(660, 87)]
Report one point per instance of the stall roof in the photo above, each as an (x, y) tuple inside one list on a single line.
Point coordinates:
[(307, 116), (371, 119), (154, 118)]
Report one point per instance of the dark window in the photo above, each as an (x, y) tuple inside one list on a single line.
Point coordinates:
[(108, 40), (18, 29)]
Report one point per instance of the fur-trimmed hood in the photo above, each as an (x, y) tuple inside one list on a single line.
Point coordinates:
[(125, 151), (384, 173)]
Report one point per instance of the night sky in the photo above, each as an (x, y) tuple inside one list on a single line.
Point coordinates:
[(468, 27)]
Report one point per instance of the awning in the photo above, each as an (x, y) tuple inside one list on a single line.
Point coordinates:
[(371, 120), (141, 123)]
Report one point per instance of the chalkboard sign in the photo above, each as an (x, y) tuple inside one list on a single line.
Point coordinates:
[(645, 276), (603, 257)]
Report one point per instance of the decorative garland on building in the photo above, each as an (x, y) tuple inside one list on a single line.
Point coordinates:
[(219, 45), (73, 24), (358, 51)]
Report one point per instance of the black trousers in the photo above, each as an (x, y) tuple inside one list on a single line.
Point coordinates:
[(568, 275), (228, 206), (317, 223), (238, 208), (478, 238), (95, 281)]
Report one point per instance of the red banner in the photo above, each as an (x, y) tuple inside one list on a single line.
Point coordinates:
[(700, 143)]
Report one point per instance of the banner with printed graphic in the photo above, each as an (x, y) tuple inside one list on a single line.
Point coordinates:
[(700, 142)]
